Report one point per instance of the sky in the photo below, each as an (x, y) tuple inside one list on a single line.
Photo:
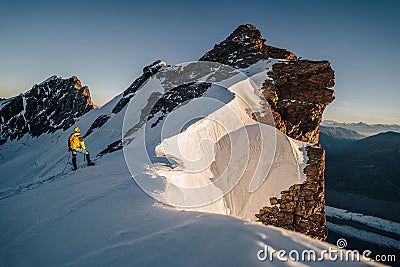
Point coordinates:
[(107, 43)]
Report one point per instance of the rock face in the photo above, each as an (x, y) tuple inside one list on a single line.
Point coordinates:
[(97, 124), (297, 92), (175, 97), (54, 104), (244, 47), (302, 206), (298, 95)]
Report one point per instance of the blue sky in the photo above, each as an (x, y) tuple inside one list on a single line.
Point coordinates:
[(107, 43)]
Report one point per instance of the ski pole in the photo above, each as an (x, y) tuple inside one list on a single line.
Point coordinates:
[(69, 156)]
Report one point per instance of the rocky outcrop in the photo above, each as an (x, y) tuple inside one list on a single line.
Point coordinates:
[(97, 124), (244, 47), (302, 206), (54, 104), (298, 95), (297, 92), (175, 97), (114, 146)]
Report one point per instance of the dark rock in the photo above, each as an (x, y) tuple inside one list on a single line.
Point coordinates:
[(130, 92), (97, 124), (302, 206), (279, 53), (176, 97), (50, 106), (244, 47), (298, 95), (115, 146)]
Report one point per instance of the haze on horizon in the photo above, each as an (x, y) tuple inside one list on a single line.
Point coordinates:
[(106, 44)]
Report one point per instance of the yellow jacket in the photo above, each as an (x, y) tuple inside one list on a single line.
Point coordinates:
[(76, 142)]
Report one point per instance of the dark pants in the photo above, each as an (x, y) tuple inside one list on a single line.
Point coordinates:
[(75, 152)]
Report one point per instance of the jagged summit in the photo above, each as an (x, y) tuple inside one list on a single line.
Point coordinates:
[(244, 47), (54, 77), (56, 103)]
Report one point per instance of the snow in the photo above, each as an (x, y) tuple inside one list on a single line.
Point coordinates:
[(199, 177), (30, 161), (371, 237), (100, 216), (23, 112), (247, 193), (374, 222), (23, 106), (54, 77)]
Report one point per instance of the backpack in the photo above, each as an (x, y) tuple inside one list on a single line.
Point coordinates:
[(69, 142)]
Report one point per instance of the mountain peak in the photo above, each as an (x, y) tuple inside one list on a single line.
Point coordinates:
[(247, 26), (247, 32), (56, 103), (244, 47), (51, 78)]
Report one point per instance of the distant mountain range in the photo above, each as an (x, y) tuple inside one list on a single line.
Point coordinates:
[(364, 170), (362, 127), (336, 139)]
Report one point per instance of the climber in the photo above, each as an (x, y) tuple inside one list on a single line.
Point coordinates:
[(76, 145)]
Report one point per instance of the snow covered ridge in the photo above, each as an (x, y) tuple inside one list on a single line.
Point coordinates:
[(216, 124), (207, 153), (99, 217), (203, 130)]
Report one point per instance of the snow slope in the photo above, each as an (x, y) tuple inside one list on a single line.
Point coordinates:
[(100, 216), (374, 222), (31, 161), (370, 221)]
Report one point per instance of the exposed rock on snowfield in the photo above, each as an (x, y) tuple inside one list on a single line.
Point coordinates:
[(176, 96), (54, 104), (132, 89), (97, 124), (124, 99), (114, 146)]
